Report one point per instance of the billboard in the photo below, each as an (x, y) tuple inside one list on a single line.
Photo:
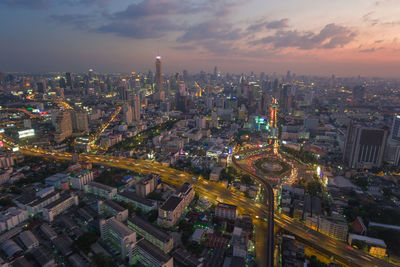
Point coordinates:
[(26, 133)]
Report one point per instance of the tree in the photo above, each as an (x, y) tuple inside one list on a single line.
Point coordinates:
[(101, 260), (246, 179), (85, 240)]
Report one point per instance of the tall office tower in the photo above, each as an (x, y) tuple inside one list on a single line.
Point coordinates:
[(358, 93), (160, 94), (168, 92), (127, 114), (262, 76), (80, 121), (395, 132), (364, 146), (63, 83), (90, 74), (283, 98), (264, 103), (63, 125), (288, 76), (275, 89), (215, 72), (136, 108), (69, 79), (40, 87), (60, 92), (241, 88)]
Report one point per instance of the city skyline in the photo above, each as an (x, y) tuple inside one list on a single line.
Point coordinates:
[(341, 38)]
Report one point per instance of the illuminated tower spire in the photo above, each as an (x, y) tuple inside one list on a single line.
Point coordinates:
[(160, 94)]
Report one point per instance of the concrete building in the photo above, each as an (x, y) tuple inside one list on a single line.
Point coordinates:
[(151, 233), (63, 125), (147, 185), (376, 247), (225, 211), (11, 217), (29, 240), (80, 121), (80, 179), (112, 209), (170, 211), (118, 236), (334, 227), (60, 205), (364, 146), (101, 190), (149, 255), (144, 204)]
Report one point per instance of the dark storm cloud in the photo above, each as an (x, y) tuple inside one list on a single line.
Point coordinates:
[(40, 4), (331, 36), (33, 4), (270, 25), (278, 24), (210, 30), (80, 21), (140, 29)]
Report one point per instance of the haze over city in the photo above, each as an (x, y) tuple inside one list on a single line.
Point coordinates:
[(358, 37), (208, 133)]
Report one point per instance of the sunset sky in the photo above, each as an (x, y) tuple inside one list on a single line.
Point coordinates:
[(323, 37)]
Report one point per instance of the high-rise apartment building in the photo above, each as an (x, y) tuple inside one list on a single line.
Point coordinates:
[(63, 125), (395, 132), (119, 236), (80, 121), (136, 108), (127, 114), (364, 146)]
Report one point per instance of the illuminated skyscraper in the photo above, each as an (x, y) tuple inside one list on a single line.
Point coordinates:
[(136, 107), (160, 94)]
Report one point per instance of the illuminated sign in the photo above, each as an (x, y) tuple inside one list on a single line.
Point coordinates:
[(1, 130), (15, 149), (26, 133), (1, 144)]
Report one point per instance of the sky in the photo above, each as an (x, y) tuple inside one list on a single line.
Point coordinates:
[(318, 37)]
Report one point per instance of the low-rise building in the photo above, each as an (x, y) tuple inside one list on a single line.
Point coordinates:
[(144, 204), (333, 227), (80, 179), (60, 205), (29, 240), (225, 211), (56, 180), (151, 233), (118, 236), (147, 185), (42, 257), (110, 208), (48, 231), (101, 190), (376, 247), (170, 211), (11, 217), (149, 255), (34, 204)]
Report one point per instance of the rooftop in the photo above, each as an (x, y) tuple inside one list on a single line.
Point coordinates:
[(134, 197), (150, 228), (113, 205), (101, 186), (153, 250), (226, 206), (171, 203)]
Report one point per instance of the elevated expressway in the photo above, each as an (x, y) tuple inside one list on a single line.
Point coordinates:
[(336, 249), (216, 192)]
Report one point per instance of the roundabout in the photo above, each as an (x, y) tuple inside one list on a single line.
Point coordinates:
[(271, 166)]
